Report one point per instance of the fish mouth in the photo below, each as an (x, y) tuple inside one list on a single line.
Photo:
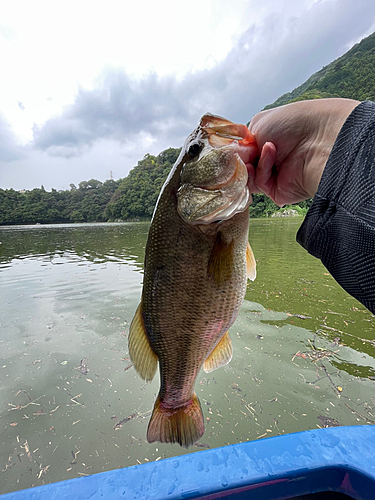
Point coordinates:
[(206, 205), (223, 132)]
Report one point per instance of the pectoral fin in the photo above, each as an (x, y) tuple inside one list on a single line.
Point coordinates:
[(143, 357), (220, 356), (221, 261), (250, 263)]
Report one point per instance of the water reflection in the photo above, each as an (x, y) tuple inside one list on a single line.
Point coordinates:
[(74, 243), (303, 352)]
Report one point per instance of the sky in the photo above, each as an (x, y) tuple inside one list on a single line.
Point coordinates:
[(88, 88)]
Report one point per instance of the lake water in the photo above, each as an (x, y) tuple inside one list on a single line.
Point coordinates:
[(72, 405)]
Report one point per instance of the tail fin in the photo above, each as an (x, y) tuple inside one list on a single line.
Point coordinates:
[(182, 425)]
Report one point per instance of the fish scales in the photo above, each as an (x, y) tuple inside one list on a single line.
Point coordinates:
[(196, 266), (180, 299)]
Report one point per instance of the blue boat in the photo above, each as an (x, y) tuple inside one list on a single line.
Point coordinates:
[(333, 463)]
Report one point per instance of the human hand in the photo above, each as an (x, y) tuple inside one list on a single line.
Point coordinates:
[(295, 141)]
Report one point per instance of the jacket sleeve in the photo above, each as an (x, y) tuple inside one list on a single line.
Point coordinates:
[(339, 228)]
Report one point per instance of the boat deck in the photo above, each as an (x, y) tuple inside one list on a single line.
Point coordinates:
[(324, 464)]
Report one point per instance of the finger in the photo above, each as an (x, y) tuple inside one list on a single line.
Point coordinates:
[(250, 179), (264, 178)]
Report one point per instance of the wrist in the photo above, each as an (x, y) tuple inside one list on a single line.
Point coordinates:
[(334, 113)]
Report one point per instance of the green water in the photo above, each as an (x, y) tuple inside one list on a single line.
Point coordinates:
[(71, 404)]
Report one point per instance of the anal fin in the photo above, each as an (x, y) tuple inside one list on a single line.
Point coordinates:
[(250, 263), (143, 357), (220, 356)]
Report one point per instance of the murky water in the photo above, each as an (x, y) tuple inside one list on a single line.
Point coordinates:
[(72, 405)]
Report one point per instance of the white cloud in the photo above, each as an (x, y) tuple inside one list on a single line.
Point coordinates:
[(10, 149)]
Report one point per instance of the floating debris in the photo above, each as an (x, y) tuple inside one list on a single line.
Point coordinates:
[(124, 420), (83, 366), (328, 421), (43, 470), (74, 455), (73, 399), (300, 316), (38, 412), (372, 342), (19, 407), (314, 355), (369, 420), (27, 449), (202, 445), (265, 434)]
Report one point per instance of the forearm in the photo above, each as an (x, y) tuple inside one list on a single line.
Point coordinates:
[(339, 228)]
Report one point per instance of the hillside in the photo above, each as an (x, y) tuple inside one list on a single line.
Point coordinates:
[(351, 76), (136, 195)]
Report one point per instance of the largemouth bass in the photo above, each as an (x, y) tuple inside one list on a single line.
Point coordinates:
[(197, 263)]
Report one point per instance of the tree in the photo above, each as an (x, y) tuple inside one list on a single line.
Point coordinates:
[(137, 194)]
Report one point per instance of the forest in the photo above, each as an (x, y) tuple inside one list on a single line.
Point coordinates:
[(134, 197), (85, 203)]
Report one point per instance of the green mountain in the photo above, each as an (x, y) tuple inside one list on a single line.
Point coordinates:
[(351, 76), (136, 195)]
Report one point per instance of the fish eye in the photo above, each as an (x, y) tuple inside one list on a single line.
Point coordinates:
[(195, 149)]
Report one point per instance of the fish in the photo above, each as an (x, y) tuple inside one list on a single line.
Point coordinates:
[(197, 263)]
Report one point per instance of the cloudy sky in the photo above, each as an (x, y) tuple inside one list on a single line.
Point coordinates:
[(90, 87)]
